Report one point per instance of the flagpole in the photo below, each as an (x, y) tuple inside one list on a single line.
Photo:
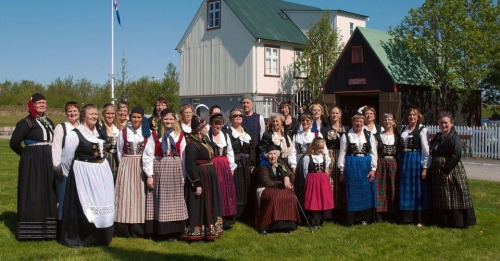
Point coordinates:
[(112, 53)]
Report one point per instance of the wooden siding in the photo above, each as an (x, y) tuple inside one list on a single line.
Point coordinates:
[(216, 61)]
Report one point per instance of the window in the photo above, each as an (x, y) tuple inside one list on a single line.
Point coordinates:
[(272, 61), (299, 65), (357, 54), (213, 14), (351, 28)]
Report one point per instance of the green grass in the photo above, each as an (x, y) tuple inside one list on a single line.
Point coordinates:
[(381, 241)]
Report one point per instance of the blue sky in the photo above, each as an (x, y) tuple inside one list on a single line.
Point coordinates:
[(44, 40)]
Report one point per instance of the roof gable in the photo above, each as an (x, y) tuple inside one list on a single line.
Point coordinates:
[(265, 19), (382, 46)]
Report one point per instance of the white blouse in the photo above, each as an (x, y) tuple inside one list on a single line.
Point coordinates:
[(148, 155), (425, 160), (57, 143), (359, 141), (133, 136), (230, 152), (302, 138), (318, 159)]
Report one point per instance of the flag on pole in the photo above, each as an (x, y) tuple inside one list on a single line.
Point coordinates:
[(117, 14)]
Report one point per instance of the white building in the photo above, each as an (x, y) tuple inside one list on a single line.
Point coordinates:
[(234, 47)]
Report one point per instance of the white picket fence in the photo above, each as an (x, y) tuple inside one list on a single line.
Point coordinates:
[(479, 142)]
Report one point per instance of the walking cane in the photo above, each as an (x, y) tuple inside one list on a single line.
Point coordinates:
[(304, 214)]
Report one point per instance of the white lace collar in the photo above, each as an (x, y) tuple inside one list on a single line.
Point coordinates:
[(242, 136)]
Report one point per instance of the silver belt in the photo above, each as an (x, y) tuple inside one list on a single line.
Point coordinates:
[(407, 150), (388, 157), (40, 144)]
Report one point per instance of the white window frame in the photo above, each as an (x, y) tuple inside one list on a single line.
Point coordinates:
[(351, 28), (213, 14), (272, 58)]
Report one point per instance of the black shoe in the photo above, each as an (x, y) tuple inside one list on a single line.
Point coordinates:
[(263, 232)]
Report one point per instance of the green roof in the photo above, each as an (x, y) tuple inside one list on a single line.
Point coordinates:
[(380, 43), (265, 19)]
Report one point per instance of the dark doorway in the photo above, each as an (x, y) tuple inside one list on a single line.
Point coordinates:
[(350, 103)]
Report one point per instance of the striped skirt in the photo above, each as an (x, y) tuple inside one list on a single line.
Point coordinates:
[(413, 190), (387, 169), (165, 203), (227, 190), (276, 205), (360, 193), (337, 186), (318, 193), (130, 196)]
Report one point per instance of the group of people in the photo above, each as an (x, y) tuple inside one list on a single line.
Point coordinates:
[(174, 175)]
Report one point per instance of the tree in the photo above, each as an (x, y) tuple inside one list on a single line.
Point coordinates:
[(453, 40), (322, 49), (169, 88)]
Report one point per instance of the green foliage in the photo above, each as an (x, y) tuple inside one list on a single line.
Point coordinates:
[(142, 92), (320, 53), (381, 241), (454, 40)]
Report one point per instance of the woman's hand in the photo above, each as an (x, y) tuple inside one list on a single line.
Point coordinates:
[(424, 173), (288, 184), (149, 182), (371, 175), (198, 191)]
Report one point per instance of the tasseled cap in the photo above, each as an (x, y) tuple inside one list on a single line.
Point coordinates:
[(271, 148), (138, 110), (197, 124), (216, 116), (34, 98)]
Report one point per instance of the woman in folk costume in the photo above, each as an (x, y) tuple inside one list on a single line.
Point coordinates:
[(72, 111), (108, 120), (334, 132), (319, 123), (89, 208), (130, 188), (318, 200), (290, 123), (185, 118), (358, 163), (244, 157), (36, 196), (414, 191), (387, 169), (122, 120), (201, 188), (162, 162), (452, 201), (301, 142), (277, 203), (278, 136), (224, 166)]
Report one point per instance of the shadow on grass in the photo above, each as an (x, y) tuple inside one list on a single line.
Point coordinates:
[(9, 218), (125, 254)]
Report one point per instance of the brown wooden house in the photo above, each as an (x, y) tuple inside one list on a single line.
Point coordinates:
[(364, 75)]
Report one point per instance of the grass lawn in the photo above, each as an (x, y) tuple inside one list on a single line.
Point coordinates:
[(374, 242)]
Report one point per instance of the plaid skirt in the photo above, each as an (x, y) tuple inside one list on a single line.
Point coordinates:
[(227, 190), (276, 205), (453, 194), (130, 193), (165, 202), (413, 190), (386, 185), (360, 193)]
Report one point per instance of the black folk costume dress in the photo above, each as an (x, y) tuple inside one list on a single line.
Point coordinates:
[(130, 196), (386, 177), (224, 166), (333, 145), (162, 159), (36, 195), (277, 205), (244, 157), (110, 147), (205, 217), (358, 156), (89, 209), (301, 141), (452, 201)]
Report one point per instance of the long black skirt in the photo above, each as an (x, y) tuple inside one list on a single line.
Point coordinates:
[(36, 195)]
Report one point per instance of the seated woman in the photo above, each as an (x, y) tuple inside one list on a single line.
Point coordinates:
[(275, 196)]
